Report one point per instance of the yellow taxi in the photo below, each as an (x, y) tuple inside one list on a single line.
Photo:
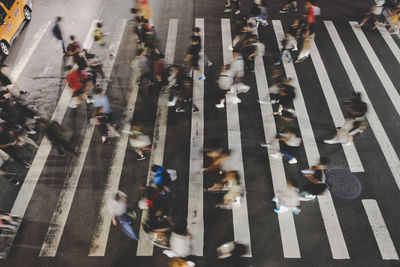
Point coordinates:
[(13, 16)]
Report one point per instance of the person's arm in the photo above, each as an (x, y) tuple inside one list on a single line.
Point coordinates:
[(188, 57), (311, 178), (114, 221), (7, 145)]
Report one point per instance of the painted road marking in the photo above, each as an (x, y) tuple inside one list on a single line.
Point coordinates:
[(26, 55), (290, 243), (59, 219), (25, 193), (382, 236), (240, 214), (377, 65), (195, 220), (328, 212), (145, 248), (353, 159), (390, 42), (99, 241), (376, 126)]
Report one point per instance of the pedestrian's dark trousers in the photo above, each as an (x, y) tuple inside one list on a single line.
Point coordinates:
[(287, 151), (249, 63), (12, 152)]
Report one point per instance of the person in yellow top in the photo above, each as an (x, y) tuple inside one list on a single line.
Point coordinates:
[(98, 35), (144, 9)]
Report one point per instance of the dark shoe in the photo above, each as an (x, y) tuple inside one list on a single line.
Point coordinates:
[(195, 109), (140, 157), (27, 165)]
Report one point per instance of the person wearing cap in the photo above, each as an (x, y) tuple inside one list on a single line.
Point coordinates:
[(117, 206)]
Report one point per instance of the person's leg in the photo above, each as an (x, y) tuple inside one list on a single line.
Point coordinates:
[(63, 46), (126, 227), (12, 152)]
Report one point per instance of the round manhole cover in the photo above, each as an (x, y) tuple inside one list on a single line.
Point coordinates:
[(343, 183)]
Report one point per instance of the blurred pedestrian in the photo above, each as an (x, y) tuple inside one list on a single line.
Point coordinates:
[(192, 57), (287, 199), (290, 6), (225, 82), (139, 141), (56, 135), (58, 34), (74, 49), (118, 206), (375, 14)]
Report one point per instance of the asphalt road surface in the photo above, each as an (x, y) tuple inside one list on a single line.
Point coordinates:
[(61, 199)]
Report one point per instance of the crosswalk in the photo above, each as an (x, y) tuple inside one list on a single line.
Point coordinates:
[(333, 224)]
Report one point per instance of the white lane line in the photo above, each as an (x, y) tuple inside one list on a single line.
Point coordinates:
[(290, 244), (377, 65), (373, 119), (145, 248), (390, 42), (353, 159), (382, 236), (195, 220), (25, 193), (60, 215), (26, 55), (99, 241), (240, 214), (328, 212)]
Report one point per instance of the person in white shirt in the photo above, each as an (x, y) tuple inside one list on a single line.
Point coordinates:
[(117, 207), (375, 13)]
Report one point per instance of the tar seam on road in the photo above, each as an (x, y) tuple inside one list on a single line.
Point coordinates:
[(328, 211), (58, 221), (353, 159), (239, 212), (145, 248), (382, 236), (376, 126), (100, 238), (290, 243), (195, 220)]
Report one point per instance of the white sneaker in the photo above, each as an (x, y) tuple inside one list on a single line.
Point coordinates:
[(89, 101), (71, 105), (330, 141), (202, 77), (32, 132), (237, 100), (265, 144), (220, 105), (276, 155), (292, 161), (237, 12)]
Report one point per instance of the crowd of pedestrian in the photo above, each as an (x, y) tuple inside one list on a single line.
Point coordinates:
[(151, 71)]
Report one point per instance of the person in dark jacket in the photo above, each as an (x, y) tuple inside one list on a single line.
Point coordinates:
[(57, 33), (56, 135)]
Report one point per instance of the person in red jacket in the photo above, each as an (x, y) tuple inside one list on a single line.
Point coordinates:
[(75, 78)]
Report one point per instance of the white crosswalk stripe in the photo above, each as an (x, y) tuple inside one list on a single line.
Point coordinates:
[(145, 248), (290, 243), (373, 119), (385, 243), (59, 219), (377, 65), (332, 226), (195, 220), (240, 214)]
